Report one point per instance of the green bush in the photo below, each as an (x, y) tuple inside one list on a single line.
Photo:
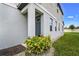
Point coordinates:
[(37, 45)]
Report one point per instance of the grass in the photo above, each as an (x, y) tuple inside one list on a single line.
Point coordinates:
[(68, 45)]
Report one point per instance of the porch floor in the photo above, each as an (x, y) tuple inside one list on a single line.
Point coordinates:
[(12, 50)]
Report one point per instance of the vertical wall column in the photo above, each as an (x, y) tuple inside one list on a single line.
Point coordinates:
[(46, 21), (31, 20), (42, 25)]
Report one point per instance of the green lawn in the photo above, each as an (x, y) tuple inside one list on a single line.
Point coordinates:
[(68, 45)]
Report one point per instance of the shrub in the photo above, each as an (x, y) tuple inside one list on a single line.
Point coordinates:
[(37, 45)]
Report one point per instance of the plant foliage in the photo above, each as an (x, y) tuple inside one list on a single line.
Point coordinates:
[(37, 45)]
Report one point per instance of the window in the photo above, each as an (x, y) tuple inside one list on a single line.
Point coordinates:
[(55, 25), (50, 27), (62, 28), (57, 11), (51, 24), (59, 27), (63, 22)]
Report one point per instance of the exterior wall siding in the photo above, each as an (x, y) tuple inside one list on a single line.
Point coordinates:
[(15, 27), (45, 27), (12, 26), (52, 8)]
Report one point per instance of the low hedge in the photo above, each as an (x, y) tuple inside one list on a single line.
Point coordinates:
[(37, 45)]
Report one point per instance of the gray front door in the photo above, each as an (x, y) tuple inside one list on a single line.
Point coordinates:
[(38, 25)]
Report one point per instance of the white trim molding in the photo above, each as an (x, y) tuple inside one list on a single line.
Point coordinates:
[(45, 10), (11, 4)]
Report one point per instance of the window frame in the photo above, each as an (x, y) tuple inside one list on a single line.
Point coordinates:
[(55, 25), (59, 27), (51, 24)]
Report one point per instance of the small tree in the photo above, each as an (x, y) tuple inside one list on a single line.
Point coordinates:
[(71, 27)]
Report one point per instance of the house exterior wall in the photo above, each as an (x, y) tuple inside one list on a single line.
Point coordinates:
[(59, 18), (12, 26), (52, 8), (15, 26)]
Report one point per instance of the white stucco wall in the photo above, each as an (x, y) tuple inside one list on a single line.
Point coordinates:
[(52, 8), (31, 20), (49, 10), (30, 10), (15, 27), (12, 26)]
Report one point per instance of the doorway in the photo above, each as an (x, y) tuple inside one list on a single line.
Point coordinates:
[(38, 25)]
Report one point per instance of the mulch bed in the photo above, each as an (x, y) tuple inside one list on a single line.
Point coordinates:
[(12, 50)]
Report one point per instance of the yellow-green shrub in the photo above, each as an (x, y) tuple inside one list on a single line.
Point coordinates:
[(37, 45)]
